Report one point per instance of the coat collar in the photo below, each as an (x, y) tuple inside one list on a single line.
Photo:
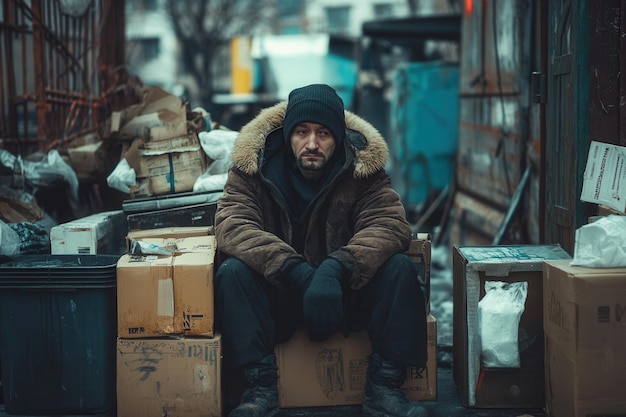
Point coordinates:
[(371, 153)]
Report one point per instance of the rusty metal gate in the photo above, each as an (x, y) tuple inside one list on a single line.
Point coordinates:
[(61, 71)]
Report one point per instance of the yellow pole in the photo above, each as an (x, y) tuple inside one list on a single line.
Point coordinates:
[(241, 65)]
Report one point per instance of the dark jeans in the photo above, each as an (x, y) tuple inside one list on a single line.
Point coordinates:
[(253, 316)]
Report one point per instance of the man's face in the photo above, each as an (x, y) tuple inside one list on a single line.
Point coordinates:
[(313, 145)]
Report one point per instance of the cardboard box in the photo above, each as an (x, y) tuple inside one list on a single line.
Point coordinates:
[(187, 216), (585, 340), (166, 295), (479, 387), (169, 377), (420, 252), (607, 211), (604, 180), (333, 372), (100, 233), (168, 166), (89, 161)]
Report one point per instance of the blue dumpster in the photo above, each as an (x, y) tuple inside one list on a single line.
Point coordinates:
[(57, 333), (424, 114)]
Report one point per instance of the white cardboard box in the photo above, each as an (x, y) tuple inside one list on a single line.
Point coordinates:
[(100, 233)]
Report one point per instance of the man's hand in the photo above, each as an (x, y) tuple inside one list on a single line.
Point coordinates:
[(300, 276), (322, 304)]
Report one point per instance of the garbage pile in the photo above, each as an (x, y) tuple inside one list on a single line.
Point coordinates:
[(156, 147)]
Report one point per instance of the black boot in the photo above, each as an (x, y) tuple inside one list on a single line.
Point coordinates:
[(383, 397), (260, 398)]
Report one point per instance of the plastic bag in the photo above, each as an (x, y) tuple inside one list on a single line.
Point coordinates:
[(9, 240), (602, 243), (50, 169), (499, 314), (122, 177)]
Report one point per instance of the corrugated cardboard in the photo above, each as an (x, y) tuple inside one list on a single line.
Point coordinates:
[(521, 387), (89, 161), (585, 340), (333, 372), (606, 211), (166, 295), (420, 252), (100, 233), (167, 232), (166, 166), (169, 377)]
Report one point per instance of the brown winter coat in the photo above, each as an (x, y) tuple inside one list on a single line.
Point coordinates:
[(361, 220)]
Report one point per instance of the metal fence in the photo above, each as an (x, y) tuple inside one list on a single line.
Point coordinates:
[(61, 71)]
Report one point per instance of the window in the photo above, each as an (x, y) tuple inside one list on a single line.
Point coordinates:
[(144, 50), (337, 18), (383, 10)]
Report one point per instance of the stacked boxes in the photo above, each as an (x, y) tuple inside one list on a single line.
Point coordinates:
[(168, 355)]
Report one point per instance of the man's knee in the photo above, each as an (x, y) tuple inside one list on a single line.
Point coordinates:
[(233, 272), (403, 273)]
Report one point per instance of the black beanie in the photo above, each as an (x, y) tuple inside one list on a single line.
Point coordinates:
[(316, 103)]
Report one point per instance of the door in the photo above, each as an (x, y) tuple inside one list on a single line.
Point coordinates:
[(566, 121)]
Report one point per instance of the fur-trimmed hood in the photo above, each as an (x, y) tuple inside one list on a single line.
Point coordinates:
[(370, 148)]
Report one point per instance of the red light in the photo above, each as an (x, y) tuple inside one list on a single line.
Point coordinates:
[(469, 5)]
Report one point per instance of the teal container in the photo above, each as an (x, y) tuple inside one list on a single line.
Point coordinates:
[(424, 117), (57, 334)]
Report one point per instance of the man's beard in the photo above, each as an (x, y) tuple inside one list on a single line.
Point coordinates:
[(316, 165)]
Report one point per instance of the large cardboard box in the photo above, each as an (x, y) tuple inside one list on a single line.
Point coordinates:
[(166, 295), (585, 340), (482, 387), (99, 233), (420, 252), (333, 372), (169, 377)]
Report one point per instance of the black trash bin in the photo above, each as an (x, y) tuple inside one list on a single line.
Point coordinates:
[(58, 325)]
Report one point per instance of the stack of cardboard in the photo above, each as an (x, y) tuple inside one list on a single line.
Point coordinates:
[(168, 354), (584, 308), (165, 154)]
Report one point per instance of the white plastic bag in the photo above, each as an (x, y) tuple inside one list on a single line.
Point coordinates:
[(602, 243), (122, 177), (499, 314)]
